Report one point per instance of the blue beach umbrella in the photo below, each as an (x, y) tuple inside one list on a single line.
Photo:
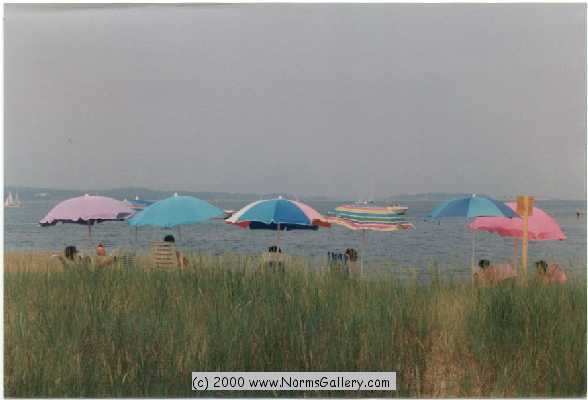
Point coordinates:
[(174, 212), (472, 207), (278, 214)]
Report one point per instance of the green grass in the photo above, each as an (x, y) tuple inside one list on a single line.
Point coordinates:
[(141, 332)]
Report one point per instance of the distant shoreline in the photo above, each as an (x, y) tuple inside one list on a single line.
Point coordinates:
[(32, 193)]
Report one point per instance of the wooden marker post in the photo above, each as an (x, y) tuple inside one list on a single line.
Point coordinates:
[(525, 210)]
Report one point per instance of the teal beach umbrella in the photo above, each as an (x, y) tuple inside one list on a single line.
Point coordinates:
[(174, 212)]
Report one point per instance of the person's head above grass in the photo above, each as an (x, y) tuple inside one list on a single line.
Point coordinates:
[(70, 252), (100, 250), (274, 249), (484, 263), (169, 238), (351, 254), (541, 266)]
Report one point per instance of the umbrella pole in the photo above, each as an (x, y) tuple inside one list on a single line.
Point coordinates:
[(516, 254), (89, 237), (179, 233), (278, 239), (473, 262), (363, 246)]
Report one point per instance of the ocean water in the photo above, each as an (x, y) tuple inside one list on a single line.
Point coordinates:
[(443, 243)]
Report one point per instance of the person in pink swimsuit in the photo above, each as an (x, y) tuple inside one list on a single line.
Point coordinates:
[(490, 275), (550, 273)]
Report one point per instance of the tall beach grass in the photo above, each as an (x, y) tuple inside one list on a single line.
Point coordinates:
[(142, 331)]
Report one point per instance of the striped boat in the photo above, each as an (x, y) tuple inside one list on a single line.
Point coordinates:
[(368, 207), (365, 217), (138, 204)]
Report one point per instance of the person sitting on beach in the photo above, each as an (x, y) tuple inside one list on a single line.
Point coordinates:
[(100, 250), (550, 273), (274, 258), (102, 259), (182, 261), (493, 274), (71, 253), (352, 257), (71, 257), (351, 254), (274, 249)]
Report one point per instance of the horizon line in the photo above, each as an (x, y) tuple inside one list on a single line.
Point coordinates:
[(339, 197)]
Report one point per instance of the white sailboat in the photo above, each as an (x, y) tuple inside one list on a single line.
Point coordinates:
[(12, 202)]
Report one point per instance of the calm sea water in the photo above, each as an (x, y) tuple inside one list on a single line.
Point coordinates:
[(447, 242)]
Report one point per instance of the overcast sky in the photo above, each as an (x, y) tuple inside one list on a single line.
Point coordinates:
[(306, 99)]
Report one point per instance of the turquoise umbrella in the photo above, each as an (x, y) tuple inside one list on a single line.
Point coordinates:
[(174, 212)]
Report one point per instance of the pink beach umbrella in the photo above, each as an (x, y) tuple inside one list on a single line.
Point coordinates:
[(541, 226), (87, 210)]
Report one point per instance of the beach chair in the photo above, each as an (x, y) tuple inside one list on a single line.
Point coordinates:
[(337, 262), (127, 260), (163, 254)]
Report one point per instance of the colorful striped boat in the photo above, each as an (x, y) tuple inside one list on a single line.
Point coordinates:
[(365, 217), (400, 210), (138, 204)]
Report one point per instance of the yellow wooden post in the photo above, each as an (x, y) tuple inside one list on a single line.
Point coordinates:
[(525, 210), (524, 254)]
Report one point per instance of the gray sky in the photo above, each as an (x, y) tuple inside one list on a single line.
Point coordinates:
[(306, 99)]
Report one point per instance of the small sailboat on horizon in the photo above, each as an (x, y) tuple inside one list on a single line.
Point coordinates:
[(12, 202)]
